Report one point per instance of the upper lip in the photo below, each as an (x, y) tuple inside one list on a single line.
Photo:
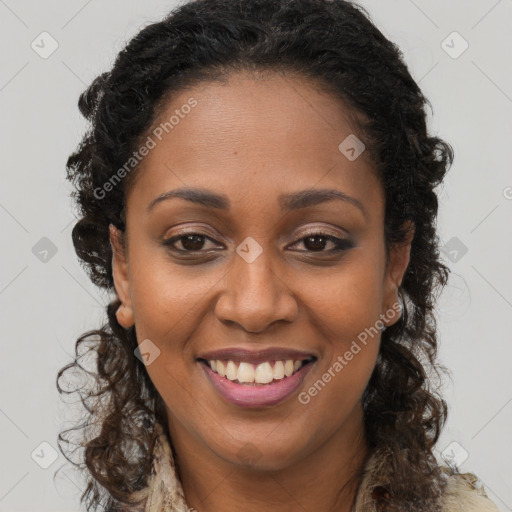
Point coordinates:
[(256, 356)]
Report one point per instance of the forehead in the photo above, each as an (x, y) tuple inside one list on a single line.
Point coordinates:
[(253, 138)]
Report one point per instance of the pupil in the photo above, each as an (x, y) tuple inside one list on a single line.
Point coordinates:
[(197, 242), (320, 245)]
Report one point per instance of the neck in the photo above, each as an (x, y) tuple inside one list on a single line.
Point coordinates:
[(323, 480)]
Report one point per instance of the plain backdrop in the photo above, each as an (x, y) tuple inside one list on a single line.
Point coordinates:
[(459, 51)]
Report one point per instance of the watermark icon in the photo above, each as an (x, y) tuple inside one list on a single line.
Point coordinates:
[(343, 360), (352, 148), (454, 249), (455, 454), (147, 352), (144, 150), (455, 45), (44, 250), (249, 249), (45, 45), (44, 455), (507, 193), (249, 454)]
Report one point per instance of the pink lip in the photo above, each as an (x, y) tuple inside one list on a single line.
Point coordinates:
[(263, 395)]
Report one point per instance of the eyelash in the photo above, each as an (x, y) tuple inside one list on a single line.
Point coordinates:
[(341, 244)]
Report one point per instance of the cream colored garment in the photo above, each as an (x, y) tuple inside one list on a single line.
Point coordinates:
[(165, 494), (464, 496)]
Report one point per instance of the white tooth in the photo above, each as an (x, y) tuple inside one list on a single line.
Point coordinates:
[(297, 365), (213, 365), (231, 370), (288, 367), (245, 372), (221, 370), (264, 373), (278, 370)]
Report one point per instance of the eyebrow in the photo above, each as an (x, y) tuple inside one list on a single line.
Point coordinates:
[(288, 202)]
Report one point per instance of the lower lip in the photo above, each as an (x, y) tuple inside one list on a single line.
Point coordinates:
[(261, 395)]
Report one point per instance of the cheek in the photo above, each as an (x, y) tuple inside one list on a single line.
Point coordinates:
[(346, 314), (347, 307), (167, 298), (346, 301)]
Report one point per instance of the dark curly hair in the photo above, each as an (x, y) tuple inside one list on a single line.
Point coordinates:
[(335, 45)]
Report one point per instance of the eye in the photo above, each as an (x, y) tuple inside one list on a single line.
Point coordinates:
[(316, 241), (191, 242)]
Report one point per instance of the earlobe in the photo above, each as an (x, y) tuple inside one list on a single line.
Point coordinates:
[(124, 316), (120, 275)]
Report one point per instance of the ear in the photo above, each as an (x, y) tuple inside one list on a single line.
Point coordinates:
[(121, 277), (395, 270)]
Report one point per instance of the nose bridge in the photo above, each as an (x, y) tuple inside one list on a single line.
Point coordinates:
[(253, 269), (255, 295)]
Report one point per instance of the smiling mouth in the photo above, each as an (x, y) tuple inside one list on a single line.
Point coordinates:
[(261, 374)]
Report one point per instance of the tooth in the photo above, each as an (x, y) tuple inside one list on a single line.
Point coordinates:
[(221, 370), (288, 367), (278, 370), (264, 373), (245, 372), (231, 370)]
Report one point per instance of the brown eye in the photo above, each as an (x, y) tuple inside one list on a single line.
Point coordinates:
[(317, 242), (190, 242)]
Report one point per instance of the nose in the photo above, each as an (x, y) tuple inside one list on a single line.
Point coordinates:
[(255, 295)]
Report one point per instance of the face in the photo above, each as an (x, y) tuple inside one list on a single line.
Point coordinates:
[(277, 255)]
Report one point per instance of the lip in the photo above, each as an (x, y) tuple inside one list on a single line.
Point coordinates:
[(239, 355), (263, 395)]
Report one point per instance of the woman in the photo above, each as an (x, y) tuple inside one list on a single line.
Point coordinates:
[(258, 189)]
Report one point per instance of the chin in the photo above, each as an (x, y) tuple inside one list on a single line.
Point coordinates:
[(262, 454)]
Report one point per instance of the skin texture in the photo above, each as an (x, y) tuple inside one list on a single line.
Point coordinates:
[(252, 140)]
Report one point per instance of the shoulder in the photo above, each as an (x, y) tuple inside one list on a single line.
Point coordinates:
[(465, 493)]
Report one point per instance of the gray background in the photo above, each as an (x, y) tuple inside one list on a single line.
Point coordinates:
[(46, 300)]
